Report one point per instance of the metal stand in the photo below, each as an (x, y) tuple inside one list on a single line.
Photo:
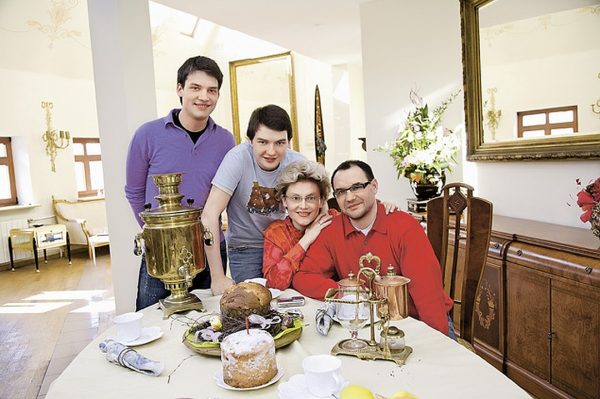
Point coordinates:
[(373, 353), (370, 351)]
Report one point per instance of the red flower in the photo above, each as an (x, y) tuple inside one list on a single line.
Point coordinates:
[(586, 203), (594, 190)]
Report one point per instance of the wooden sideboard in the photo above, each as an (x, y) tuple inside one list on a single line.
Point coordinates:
[(538, 307)]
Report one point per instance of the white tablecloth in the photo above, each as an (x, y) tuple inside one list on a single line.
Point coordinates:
[(438, 367)]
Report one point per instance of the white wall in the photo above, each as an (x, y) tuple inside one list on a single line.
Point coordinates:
[(405, 46), (24, 119), (357, 112)]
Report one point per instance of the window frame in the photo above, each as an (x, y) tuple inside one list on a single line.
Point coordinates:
[(9, 161), (86, 159), (547, 127)]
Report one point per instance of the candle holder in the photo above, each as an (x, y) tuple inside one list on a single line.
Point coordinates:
[(54, 140), (368, 350)]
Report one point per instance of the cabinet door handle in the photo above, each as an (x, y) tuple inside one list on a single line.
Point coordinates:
[(519, 252), (550, 335), (588, 269)]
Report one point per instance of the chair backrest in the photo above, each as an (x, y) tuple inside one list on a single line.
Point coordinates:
[(453, 218), (82, 218)]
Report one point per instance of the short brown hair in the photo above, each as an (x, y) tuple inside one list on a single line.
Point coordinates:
[(272, 116)]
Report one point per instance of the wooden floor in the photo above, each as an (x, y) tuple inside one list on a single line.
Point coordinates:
[(47, 318)]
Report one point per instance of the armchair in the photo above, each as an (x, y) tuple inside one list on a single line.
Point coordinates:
[(85, 221)]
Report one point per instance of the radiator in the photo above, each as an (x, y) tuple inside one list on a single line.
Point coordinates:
[(4, 229)]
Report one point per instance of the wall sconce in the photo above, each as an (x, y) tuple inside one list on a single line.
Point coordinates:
[(363, 141), (493, 114), (52, 137), (597, 105)]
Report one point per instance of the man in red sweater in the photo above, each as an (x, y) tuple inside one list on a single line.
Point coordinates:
[(397, 239)]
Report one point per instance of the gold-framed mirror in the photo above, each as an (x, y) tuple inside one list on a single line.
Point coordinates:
[(256, 82), (531, 79)]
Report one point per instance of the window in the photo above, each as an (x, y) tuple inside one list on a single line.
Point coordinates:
[(88, 167), (547, 122), (8, 189)]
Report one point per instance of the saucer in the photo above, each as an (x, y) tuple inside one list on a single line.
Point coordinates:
[(295, 388), (258, 280), (222, 384), (149, 334), (274, 292)]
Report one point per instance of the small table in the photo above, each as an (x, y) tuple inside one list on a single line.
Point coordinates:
[(36, 238)]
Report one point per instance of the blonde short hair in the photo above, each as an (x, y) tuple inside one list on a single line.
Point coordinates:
[(303, 171)]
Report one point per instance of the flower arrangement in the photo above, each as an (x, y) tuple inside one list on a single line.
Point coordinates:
[(588, 200), (424, 149)]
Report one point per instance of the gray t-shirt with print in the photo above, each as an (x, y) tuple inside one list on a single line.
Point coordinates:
[(253, 205)]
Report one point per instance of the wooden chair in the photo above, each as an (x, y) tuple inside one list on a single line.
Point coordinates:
[(333, 204), (458, 220)]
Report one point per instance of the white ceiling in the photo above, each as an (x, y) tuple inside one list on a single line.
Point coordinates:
[(326, 30)]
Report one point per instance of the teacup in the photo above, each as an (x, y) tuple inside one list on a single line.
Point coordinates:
[(322, 373), (129, 326)]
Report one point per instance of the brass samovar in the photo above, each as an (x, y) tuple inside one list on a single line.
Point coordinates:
[(172, 241)]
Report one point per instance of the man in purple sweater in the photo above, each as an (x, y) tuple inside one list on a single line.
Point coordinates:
[(188, 141)]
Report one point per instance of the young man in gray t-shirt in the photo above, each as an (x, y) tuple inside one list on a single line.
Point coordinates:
[(245, 185)]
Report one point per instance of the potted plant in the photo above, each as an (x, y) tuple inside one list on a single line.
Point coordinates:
[(424, 150)]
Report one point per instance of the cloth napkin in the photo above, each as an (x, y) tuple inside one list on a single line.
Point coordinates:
[(324, 318), (123, 355)]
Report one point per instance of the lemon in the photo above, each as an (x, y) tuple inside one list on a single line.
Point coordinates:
[(355, 392), (403, 395), (215, 322)]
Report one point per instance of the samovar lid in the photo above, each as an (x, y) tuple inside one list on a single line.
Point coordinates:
[(392, 331), (350, 281), (391, 279), (169, 200), (181, 213)]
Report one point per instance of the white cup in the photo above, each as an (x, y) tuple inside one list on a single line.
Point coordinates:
[(129, 326), (322, 373)]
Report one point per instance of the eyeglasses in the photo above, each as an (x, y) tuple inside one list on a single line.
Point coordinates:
[(296, 199), (355, 188)]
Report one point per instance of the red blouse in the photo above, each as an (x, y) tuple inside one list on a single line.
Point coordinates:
[(281, 253)]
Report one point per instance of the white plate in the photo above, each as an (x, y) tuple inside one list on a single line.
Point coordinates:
[(222, 384), (258, 280), (275, 292), (149, 334), (295, 388)]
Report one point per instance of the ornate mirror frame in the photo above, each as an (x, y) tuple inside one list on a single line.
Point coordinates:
[(585, 146), (234, 69)]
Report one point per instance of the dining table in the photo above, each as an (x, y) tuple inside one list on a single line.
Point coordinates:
[(438, 367)]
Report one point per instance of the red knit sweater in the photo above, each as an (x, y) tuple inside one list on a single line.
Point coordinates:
[(397, 239)]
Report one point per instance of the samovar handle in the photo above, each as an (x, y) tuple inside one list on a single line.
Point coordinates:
[(137, 244), (208, 237)]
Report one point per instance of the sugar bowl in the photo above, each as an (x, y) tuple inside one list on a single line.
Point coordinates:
[(394, 337)]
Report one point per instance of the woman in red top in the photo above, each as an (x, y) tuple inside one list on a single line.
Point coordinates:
[(303, 188)]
